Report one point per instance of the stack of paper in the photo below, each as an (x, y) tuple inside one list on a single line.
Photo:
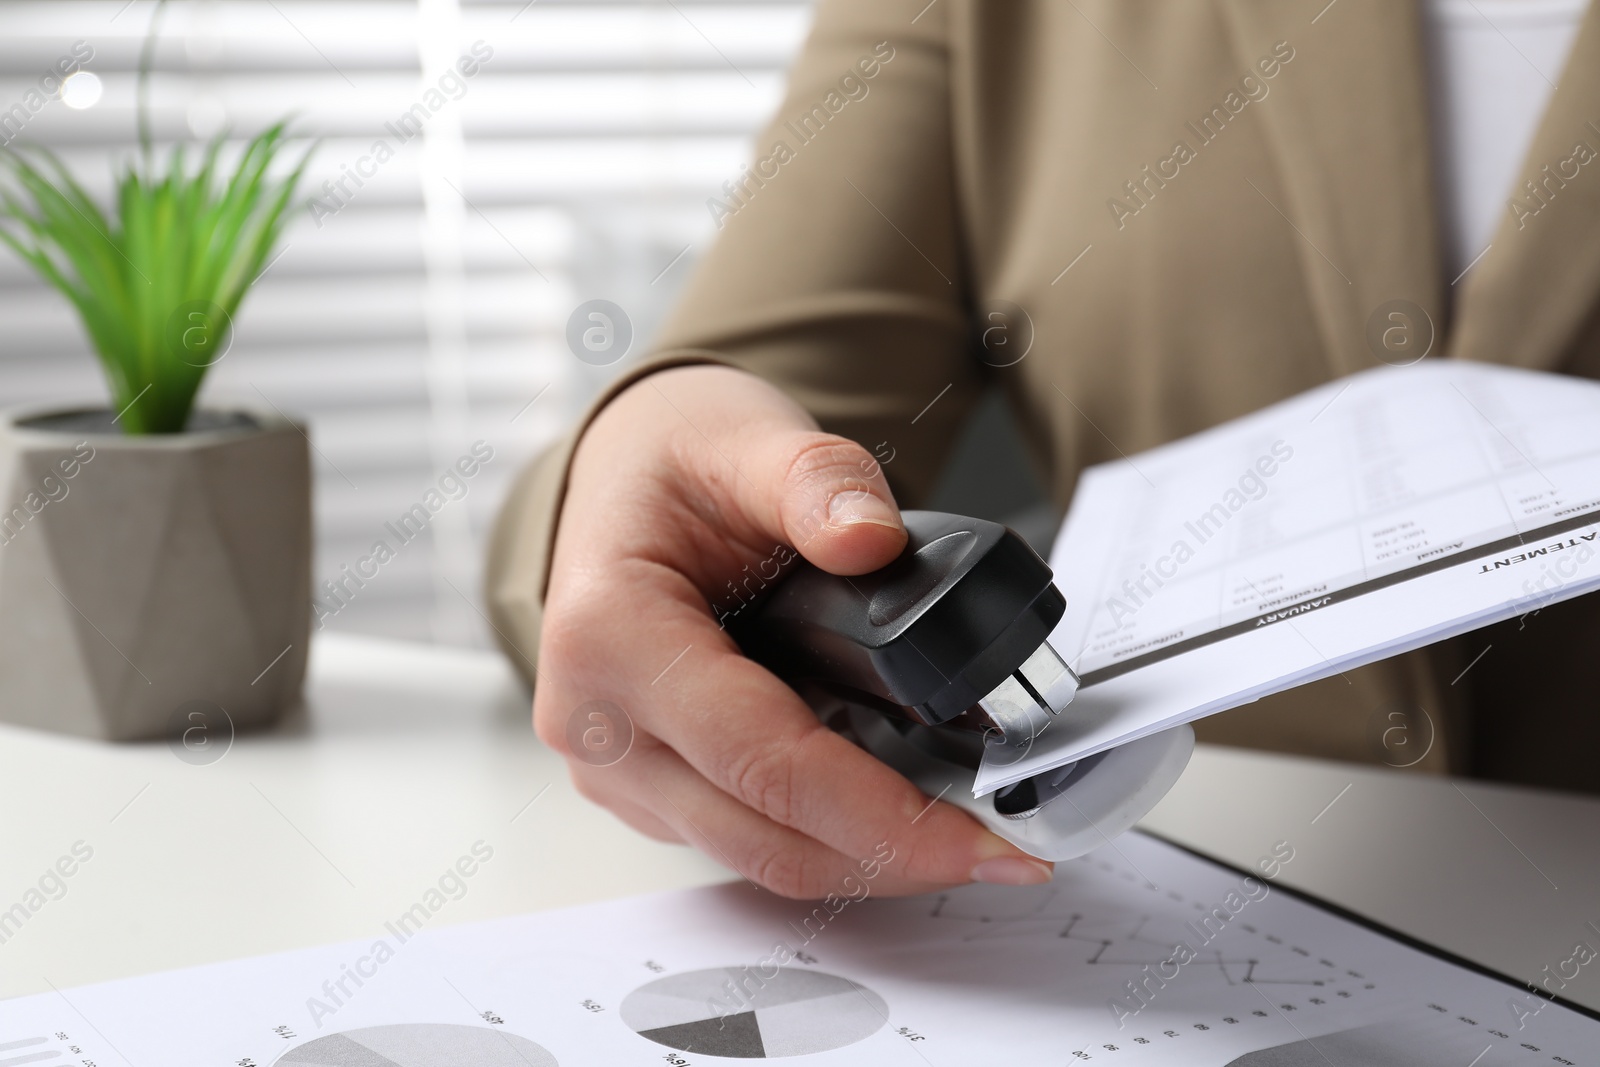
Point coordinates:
[(1362, 519)]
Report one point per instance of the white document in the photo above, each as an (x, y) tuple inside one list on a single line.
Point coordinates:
[(1140, 954), (1362, 519)]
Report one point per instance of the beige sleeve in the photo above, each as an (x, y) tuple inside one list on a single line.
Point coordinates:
[(837, 275)]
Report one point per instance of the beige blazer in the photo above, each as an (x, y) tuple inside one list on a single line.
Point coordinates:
[(1199, 206)]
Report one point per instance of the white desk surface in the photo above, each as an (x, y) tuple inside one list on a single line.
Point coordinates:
[(408, 754)]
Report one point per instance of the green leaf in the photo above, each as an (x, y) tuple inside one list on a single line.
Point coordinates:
[(157, 275)]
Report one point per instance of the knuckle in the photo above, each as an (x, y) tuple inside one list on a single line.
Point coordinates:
[(571, 625), (557, 650), (548, 728), (923, 858), (588, 787), (827, 458), (550, 723), (616, 793), (652, 828), (569, 643), (789, 872), (764, 779)]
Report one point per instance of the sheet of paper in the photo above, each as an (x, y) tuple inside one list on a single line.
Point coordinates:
[(1140, 954), (1365, 518)]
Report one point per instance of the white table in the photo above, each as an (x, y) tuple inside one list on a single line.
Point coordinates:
[(409, 754)]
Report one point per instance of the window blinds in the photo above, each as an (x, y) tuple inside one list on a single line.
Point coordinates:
[(482, 170)]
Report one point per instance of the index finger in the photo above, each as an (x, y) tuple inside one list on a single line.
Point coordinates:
[(755, 739)]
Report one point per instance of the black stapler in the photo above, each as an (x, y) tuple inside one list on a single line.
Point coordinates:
[(943, 658)]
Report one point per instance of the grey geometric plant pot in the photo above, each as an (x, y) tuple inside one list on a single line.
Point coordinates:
[(139, 574)]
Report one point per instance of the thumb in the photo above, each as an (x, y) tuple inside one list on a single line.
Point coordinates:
[(827, 496)]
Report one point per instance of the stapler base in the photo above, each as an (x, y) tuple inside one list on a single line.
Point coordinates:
[(1057, 815)]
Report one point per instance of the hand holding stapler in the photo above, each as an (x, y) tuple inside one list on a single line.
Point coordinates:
[(944, 655)]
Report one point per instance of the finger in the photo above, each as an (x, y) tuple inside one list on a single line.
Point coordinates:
[(822, 493), (758, 742), (766, 748), (775, 857), (827, 497), (639, 817), (583, 763)]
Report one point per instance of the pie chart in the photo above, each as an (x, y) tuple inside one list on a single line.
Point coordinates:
[(419, 1045), (745, 1013)]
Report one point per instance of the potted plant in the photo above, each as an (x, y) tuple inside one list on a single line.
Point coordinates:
[(154, 557)]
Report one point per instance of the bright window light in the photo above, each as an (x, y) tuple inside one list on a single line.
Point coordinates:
[(80, 90)]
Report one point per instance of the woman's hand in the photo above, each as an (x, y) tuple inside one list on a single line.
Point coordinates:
[(685, 493)]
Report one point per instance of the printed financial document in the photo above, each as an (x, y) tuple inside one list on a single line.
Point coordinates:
[(1141, 955), (1359, 520)]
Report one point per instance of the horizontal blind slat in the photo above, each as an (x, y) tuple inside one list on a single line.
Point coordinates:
[(586, 147)]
